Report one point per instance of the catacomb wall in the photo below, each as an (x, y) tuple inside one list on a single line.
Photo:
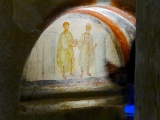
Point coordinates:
[(22, 22)]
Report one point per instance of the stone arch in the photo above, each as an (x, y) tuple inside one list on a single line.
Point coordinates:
[(119, 26), (17, 41)]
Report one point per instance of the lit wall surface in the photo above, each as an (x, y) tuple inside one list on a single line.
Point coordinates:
[(112, 31), (71, 56)]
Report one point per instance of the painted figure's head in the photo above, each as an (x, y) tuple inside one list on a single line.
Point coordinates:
[(88, 26), (66, 25)]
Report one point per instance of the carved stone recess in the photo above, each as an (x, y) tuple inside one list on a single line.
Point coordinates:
[(54, 105), (46, 88)]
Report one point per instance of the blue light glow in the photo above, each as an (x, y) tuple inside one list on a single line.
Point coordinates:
[(129, 110)]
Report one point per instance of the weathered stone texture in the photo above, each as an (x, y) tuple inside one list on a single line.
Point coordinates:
[(18, 34), (147, 84), (21, 23)]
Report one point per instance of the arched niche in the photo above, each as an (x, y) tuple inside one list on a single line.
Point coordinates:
[(111, 31)]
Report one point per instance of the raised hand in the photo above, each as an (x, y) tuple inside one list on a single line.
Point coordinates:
[(95, 45)]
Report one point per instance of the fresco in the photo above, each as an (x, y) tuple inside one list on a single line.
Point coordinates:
[(66, 68), (72, 52), (65, 54), (78, 44)]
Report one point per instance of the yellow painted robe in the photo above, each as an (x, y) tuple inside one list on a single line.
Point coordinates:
[(65, 54)]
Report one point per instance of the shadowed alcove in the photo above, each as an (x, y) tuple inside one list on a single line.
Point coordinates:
[(24, 21), (36, 91), (66, 69)]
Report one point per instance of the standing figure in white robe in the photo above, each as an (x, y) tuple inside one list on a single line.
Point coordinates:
[(86, 56)]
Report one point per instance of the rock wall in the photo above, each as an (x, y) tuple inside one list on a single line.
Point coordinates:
[(147, 83), (22, 23)]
